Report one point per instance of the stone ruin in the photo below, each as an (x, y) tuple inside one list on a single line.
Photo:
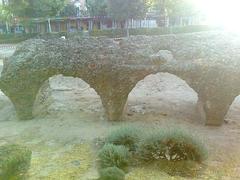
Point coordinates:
[(209, 62)]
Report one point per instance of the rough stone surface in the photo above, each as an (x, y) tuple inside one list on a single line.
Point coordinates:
[(208, 62)]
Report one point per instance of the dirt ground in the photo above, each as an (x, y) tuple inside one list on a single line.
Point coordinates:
[(70, 118)]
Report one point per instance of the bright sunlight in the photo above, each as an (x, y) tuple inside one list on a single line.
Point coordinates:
[(223, 13)]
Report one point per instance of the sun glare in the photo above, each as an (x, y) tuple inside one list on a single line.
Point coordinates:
[(225, 13)]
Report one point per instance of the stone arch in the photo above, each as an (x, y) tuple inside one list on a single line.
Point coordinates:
[(58, 89), (214, 99), (23, 92), (171, 81), (112, 86)]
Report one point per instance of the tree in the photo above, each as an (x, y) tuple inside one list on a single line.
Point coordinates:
[(179, 7), (17, 7), (25, 9), (44, 8), (123, 10), (69, 10), (35, 8), (174, 8), (5, 16), (96, 7)]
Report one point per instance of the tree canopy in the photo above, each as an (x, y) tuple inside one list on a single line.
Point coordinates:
[(97, 7), (5, 15), (175, 7), (35, 8), (69, 10), (126, 9)]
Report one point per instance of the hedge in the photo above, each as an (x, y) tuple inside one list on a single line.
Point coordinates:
[(15, 38), (111, 33), (152, 31)]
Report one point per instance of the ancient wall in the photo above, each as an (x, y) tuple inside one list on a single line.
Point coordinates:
[(208, 62)]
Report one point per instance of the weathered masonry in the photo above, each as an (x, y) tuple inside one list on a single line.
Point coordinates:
[(209, 62)]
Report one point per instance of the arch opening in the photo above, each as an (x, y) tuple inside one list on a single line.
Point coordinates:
[(162, 94), (66, 95), (7, 110), (233, 115)]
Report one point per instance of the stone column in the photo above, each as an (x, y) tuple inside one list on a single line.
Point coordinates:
[(213, 110), (114, 105), (23, 103)]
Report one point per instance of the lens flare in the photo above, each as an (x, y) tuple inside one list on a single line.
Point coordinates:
[(225, 13)]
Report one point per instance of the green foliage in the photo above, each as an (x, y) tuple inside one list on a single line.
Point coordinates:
[(112, 173), (44, 8), (121, 10), (180, 7), (15, 38), (5, 14), (111, 155), (175, 7), (152, 31), (14, 161), (17, 7), (69, 10), (172, 145), (35, 8), (127, 136), (96, 7)]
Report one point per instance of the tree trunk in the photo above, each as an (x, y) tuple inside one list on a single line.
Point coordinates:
[(101, 24), (127, 29), (49, 25), (7, 27)]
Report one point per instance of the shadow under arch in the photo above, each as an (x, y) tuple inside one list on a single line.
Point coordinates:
[(66, 94), (165, 94)]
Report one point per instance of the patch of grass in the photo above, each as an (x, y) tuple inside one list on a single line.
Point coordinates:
[(111, 155), (150, 172), (173, 145), (112, 173), (127, 136), (14, 161), (58, 163), (167, 170), (180, 168)]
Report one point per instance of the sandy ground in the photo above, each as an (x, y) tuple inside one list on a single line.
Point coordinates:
[(69, 115)]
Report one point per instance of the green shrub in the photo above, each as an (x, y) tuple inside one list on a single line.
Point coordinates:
[(115, 33), (112, 173), (127, 136), (111, 155), (15, 38), (14, 161), (172, 145)]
